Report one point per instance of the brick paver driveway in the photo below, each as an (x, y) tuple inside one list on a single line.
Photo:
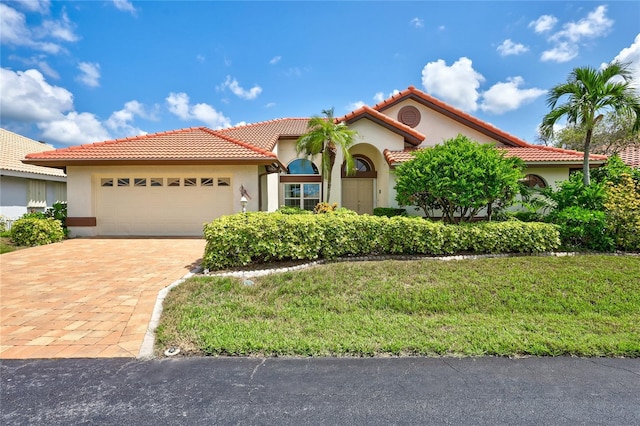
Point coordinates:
[(86, 297)]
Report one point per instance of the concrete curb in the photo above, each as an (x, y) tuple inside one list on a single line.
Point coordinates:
[(146, 350)]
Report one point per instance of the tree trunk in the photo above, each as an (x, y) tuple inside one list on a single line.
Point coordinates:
[(331, 152), (585, 165)]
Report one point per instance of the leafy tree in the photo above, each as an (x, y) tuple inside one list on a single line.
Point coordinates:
[(589, 93), (326, 137), (459, 177), (611, 135)]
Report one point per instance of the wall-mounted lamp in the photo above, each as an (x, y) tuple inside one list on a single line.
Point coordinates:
[(243, 202)]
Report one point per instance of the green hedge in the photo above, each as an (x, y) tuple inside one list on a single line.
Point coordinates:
[(243, 239), (32, 231)]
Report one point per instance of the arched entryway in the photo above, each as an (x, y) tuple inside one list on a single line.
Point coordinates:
[(358, 190)]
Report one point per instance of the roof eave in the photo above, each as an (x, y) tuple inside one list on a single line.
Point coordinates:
[(61, 163)]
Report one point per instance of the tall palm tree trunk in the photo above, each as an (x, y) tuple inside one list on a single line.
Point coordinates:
[(332, 160), (585, 164)]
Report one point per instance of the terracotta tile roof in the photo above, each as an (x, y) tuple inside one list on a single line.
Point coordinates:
[(538, 153), (631, 156), (410, 135), (451, 112), (531, 154), (196, 144), (397, 157), (265, 134), (13, 148)]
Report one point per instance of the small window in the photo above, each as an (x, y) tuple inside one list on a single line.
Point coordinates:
[(190, 181), (140, 182), (106, 182), (173, 181), (534, 181), (123, 181), (156, 182), (206, 181), (224, 181)]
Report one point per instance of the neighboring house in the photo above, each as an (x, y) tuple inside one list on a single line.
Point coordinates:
[(630, 156), (26, 187), (170, 183)]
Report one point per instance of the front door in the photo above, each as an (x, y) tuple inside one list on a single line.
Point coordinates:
[(357, 195)]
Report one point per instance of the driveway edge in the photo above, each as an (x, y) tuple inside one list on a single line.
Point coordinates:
[(146, 350)]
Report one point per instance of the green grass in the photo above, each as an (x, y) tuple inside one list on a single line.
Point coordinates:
[(585, 305), (6, 245)]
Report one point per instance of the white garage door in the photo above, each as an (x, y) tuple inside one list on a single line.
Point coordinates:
[(161, 206)]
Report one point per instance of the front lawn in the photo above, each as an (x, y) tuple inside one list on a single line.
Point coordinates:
[(584, 305)]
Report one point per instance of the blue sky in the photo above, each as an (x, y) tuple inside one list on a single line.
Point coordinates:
[(87, 71)]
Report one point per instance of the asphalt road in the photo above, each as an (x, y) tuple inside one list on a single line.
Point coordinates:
[(332, 391)]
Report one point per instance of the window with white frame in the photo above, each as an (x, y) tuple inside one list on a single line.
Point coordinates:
[(302, 195)]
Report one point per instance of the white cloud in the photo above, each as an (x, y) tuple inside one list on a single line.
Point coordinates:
[(233, 85), (120, 122), (631, 55), (125, 6), (39, 62), (40, 6), (596, 24), (507, 96), (567, 41), (543, 24), (562, 52), (508, 47), (90, 74), (270, 105), (379, 96), (26, 96), (355, 105), (417, 22), (179, 105), (275, 60), (62, 29), (15, 32), (456, 84), (74, 128)]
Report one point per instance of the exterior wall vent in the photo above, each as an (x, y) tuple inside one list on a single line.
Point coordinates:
[(409, 115)]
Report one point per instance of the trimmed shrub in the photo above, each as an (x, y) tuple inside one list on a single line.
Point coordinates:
[(389, 212), (293, 210), (622, 209), (243, 239), (32, 231), (583, 229)]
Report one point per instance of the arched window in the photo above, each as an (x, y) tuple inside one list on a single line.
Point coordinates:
[(534, 181), (364, 168), (302, 166), (361, 165)]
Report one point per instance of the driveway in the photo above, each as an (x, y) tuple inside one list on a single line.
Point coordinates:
[(87, 298)]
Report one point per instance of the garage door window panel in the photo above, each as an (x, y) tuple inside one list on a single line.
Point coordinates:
[(140, 182), (173, 182), (106, 182), (124, 182)]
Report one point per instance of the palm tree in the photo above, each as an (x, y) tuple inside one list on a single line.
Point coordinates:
[(589, 94), (326, 137)]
